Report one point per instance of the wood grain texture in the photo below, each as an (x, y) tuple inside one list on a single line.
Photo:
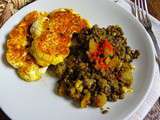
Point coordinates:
[(154, 114), (154, 8), (9, 7)]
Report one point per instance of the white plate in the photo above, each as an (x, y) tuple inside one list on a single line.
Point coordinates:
[(37, 101)]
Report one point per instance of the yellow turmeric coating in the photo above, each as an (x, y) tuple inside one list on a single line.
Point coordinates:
[(52, 46), (41, 39), (18, 45)]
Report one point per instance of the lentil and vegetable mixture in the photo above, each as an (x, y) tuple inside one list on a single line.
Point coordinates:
[(98, 68)]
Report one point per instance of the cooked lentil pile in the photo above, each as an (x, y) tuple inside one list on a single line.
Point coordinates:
[(98, 68)]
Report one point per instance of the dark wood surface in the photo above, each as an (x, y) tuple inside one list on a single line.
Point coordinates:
[(154, 8), (154, 114), (3, 116)]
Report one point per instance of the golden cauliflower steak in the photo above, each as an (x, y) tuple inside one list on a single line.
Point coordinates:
[(52, 46), (18, 45), (41, 39)]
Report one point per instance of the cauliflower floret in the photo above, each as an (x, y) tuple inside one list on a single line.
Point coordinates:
[(31, 72), (52, 44), (39, 25), (17, 53)]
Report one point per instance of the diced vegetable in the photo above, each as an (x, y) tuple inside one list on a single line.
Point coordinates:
[(98, 68), (100, 100)]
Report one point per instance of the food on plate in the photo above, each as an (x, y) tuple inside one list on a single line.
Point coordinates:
[(18, 46), (41, 39), (93, 65), (52, 45), (98, 68)]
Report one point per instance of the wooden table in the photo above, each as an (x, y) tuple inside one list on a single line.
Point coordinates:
[(154, 114)]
